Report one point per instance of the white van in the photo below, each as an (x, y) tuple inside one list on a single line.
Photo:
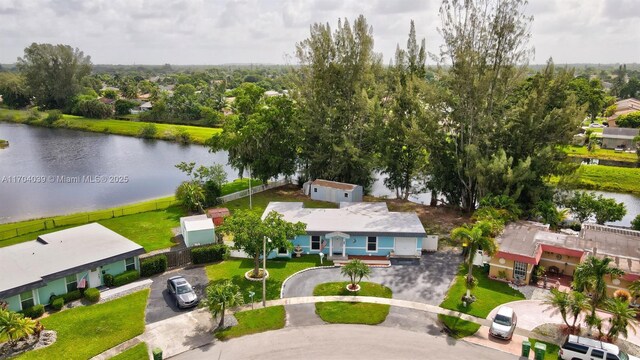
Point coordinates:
[(582, 348)]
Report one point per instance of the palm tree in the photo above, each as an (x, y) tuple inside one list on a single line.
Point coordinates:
[(590, 276), (634, 288), (560, 301), (355, 270), (191, 196), (222, 296), (475, 237), (622, 318), (578, 303)]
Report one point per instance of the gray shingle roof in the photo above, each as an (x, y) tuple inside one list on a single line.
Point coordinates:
[(619, 133)]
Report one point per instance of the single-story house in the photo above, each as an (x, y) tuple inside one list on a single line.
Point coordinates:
[(621, 138), (56, 263), (623, 107), (333, 191), (143, 107), (197, 230), (358, 229), (523, 245)]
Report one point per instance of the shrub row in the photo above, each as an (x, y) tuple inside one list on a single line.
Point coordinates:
[(209, 253), (34, 312), (72, 296), (126, 277), (153, 265)]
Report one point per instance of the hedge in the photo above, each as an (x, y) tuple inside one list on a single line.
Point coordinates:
[(92, 294), (209, 253), (153, 265), (108, 279), (57, 303), (71, 296), (34, 312), (126, 277)]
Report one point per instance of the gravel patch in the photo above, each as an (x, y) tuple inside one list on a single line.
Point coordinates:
[(47, 337)]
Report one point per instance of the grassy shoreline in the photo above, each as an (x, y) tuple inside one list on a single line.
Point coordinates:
[(198, 135), (602, 154), (603, 178)]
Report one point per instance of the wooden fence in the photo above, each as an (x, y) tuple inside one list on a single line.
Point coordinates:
[(176, 257)]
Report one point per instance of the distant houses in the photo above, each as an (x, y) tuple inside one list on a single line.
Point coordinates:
[(619, 138), (623, 107)]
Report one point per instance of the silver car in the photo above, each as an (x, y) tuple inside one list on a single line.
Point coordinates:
[(180, 289), (504, 323)]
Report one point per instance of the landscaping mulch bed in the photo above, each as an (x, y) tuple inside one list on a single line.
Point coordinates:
[(47, 337)]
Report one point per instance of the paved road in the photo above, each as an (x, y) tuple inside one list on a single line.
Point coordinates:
[(343, 342), (161, 305)]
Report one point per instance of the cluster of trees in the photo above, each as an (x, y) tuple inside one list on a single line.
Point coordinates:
[(584, 206), (589, 278), (204, 187), (630, 120)]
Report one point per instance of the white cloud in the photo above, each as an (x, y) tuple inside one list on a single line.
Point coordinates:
[(265, 31)]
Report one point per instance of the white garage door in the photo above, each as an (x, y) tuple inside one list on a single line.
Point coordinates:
[(406, 246)]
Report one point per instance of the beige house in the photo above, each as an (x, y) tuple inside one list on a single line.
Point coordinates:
[(524, 245)]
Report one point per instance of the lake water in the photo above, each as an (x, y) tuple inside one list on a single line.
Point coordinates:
[(31, 167)]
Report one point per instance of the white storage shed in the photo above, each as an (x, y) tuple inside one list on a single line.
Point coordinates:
[(333, 191), (197, 230)]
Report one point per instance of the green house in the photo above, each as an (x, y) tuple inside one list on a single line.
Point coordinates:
[(56, 263)]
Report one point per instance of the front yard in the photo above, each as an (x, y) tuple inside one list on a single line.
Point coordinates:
[(352, 312), (86, 331), (489, 294), (279, 270), (255, 321)]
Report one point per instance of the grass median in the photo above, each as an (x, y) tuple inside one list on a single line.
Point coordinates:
[(255, 321), (138, 352), (341, 312)]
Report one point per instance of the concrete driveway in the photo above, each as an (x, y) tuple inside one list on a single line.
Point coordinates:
[(427, 281), (161, 305)]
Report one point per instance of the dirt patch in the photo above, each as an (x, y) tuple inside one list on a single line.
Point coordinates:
[(435, 219)]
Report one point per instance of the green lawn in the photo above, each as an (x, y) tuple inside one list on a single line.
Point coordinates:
[(255, 321), (605, 178), (279, 270), (86, 331), (138, 352), (604, 154), (552, 349), (351, 312), (489, 294), (459, 328), (199, 135)]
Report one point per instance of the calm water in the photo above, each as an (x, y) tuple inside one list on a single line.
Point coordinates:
[(51, 153)]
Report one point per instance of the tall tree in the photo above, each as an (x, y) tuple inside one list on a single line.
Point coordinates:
[(406, 125), (221, 297), (590, 276), (13, 90), (53, 73), (622, 318), (500, 134), (337, 92), (475, 237), (249, 230)]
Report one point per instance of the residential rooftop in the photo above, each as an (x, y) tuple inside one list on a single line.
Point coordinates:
[(197, 222), (31, 264), (619, 133), (525, 241), (351, 218)]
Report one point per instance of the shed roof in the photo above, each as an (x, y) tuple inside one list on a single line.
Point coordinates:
[(218, 212), (619, 133), (30, 264), (334, 184), (353, 219), (197, 222)]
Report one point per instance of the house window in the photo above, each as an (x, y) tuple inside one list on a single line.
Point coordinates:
[(372, 243), (346, 195), (26, 299), (283, 251), (520, 270), (315, 189), (315, 242), (130, 264), (72, 282)]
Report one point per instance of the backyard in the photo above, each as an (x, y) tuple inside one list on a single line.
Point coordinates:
[(279, 270), (86, 331)]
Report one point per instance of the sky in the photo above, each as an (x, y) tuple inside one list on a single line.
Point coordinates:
[(210, 32)]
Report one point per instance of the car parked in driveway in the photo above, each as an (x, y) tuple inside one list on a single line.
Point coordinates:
[(582, 348), (504, 323), (180, 289)]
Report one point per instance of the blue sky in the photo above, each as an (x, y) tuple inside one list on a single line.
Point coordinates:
[(255, 31)]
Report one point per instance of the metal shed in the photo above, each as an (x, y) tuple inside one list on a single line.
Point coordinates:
[(333, 191), (197, 230)]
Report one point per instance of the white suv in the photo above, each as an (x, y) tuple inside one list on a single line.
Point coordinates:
[(582, 348)]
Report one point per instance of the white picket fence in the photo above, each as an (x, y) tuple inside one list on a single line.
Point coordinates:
[(254, 190)]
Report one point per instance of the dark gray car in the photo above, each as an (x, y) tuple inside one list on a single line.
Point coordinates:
[(180, 289)]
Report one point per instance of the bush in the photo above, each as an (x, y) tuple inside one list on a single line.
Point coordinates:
[(123, 106), (153, 265), (183, 136), (126, 277), (108, 279), (148, 131), (622, 295), (72, 296), (209, 253), (33, 115), (57, 303), (92, 294), (53, 116), (635, 223), (34, 312)]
